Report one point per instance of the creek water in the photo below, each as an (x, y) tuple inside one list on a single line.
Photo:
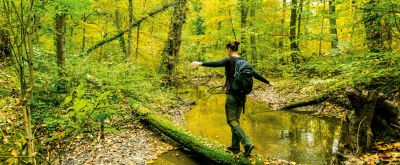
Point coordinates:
[(283, 135)]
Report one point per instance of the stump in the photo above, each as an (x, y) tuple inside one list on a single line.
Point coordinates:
[(371, 117)]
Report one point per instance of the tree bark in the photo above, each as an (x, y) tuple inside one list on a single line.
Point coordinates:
[(292, 36), (119, 34), (332, 22), (322, 30), (60, 39), (253, 31), (121, 39), (137, 41), (170, 53), (188, 140), (244, 11)]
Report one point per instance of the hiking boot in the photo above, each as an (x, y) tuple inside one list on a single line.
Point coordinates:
[(247, 150), (234, 150)]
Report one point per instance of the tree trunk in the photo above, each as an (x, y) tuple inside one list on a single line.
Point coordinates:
[(231, 21), (85, 17), (5, 45), (292, 36), (281, 45), (137, 41), (129, 45), (170, 53), (332, 22), (371, 117), (373, 26), (189, 141), (253, 31), (60, 39), (322, 29), (299, 18), (244, 10), (119, 34), (118, 26), (20, 22)]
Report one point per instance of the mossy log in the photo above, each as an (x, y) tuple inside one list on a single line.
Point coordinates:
[(210, 150)]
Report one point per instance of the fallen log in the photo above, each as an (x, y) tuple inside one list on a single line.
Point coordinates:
[(210, 150), (312, 101)]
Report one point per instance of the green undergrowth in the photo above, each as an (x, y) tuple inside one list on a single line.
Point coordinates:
[(333, 72), (85, 99)]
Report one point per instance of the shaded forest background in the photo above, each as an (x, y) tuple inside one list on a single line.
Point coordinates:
[(69, 67)]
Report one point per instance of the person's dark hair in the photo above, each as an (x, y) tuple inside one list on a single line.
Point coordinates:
[(233, 45)]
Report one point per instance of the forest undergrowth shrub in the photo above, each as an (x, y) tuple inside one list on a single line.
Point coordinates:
[(86, 97), (332, 72)]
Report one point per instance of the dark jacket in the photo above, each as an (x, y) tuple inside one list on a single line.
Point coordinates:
[(229, 65)]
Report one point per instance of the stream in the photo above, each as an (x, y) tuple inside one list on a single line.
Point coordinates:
[(301, 138)]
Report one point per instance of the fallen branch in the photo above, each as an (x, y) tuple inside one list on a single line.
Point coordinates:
[(201, 146), (312, 101), (133, 25)]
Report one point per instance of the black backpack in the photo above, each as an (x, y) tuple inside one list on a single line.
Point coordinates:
[(243, 78)]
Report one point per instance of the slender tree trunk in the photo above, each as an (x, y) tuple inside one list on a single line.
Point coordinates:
[(332, 22), (232, 26), (60, 39), (137, 41), (299, 18), (118, 26), (20, 22), (373, 26), (170, 53), (282, 23), (292, 36), (130, 12), (322, 29), (244, 10), (253, 30), (84, 33)]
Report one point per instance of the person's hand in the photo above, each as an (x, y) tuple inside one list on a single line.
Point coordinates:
[(196, 63)]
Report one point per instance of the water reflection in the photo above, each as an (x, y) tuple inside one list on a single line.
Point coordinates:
[(283, 135)]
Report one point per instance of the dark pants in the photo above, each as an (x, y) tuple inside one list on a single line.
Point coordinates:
[(233, 108)]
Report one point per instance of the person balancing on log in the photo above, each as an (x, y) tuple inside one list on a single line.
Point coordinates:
[(239, 82)]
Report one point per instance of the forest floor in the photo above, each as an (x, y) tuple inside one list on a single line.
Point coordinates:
[(142, 146)]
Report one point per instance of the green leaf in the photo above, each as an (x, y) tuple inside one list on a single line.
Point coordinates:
[(80, 91), (102, 117), (67, 100)]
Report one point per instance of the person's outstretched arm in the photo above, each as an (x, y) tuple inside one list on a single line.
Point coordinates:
[(211, 64), (261, 78)]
